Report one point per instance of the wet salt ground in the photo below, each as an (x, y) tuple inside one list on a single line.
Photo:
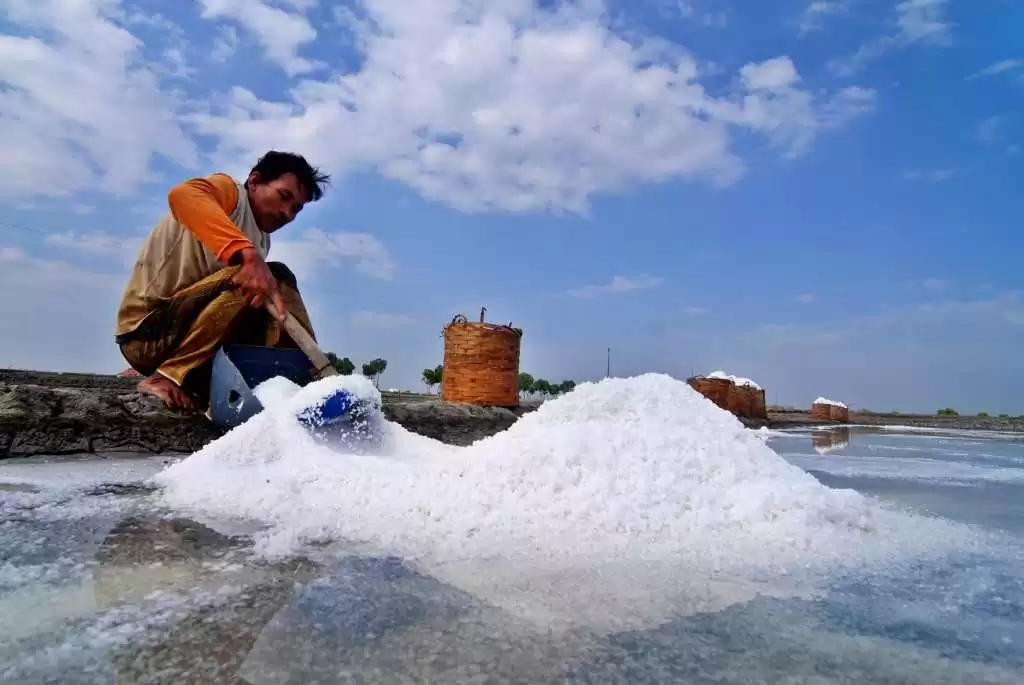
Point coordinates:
[(967, 476), (98, 585)]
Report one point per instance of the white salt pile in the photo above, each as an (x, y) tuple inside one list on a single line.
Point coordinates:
[(739, 381), (642, 465), (828, 402), (613, 505)]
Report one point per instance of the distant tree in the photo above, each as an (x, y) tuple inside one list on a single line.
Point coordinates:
[(374, 368), (1004, 416), (542, 387), (432, 377), (983, 415), (948, 412), (344, 366), (528, 384)]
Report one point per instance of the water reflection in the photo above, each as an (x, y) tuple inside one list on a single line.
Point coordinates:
[(197, 578), (192, 605), (374, 619), (830, 439), (167, 599)]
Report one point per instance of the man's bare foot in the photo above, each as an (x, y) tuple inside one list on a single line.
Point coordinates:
[(168, 392)]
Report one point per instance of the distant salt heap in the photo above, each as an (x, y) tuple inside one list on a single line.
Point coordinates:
[(738, 380), (831, 403)]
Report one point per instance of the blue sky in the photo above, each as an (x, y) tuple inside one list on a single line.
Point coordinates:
[(817, 195)]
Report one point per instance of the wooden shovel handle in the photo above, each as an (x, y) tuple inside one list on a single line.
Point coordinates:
[(306, 343)]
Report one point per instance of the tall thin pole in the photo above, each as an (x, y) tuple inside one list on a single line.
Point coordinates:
[(608, 371)]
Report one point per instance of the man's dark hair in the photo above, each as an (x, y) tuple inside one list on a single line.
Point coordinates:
[(276, 164)]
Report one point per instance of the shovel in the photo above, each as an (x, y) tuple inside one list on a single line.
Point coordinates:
[(321, 364), (340, 404)]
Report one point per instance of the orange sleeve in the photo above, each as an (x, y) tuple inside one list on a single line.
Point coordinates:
[(203, 206)]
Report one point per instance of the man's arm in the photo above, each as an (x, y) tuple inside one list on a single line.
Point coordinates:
[(202, 205)]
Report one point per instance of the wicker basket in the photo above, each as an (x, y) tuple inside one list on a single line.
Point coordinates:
[(715, 389), (830, 412), (747, 402), (758, 404), (821, 412), (739, 401), (481, 363)]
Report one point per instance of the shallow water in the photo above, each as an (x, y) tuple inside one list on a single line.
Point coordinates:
[(99, 584)]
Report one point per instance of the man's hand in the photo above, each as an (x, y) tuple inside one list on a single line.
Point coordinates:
[(257, 284)]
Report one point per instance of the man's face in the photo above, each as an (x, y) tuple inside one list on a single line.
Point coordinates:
[(277, 202)]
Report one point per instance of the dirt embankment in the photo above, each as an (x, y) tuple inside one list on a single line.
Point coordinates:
[(49, 413), (1009, 424)]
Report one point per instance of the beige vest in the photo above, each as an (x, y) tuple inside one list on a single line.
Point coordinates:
[(172, 258)]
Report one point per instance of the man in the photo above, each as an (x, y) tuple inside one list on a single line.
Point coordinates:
[(201, 278)]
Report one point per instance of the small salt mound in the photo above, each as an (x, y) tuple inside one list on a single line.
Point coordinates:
[(624, 468), (739, 381), (833, 403), (276, 392)]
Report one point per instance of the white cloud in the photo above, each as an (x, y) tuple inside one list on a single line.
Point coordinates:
[(502, 105), (930, 176), (917, 22), (989, 130), (807, 298), (787, 115), (315, 250), (98, 243), (508, 106), (813, 18), (772, 75), (281, 33), (175, 65), (56, 315), (226, 44), (381, 321), (299, 5), (60, 315), (796, 335), (923, 21), (1001, 309), (80, 109), (48, 274), (671, 9), (619, 284), (1000, 67), (719, 19), (1007, 307)]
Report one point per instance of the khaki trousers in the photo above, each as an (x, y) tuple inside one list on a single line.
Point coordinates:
[(180, 337)]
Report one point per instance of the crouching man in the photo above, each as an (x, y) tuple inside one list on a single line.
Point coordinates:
[(201, 279)]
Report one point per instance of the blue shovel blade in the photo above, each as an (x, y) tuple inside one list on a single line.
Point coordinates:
[(329, 410), (344, 421)]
